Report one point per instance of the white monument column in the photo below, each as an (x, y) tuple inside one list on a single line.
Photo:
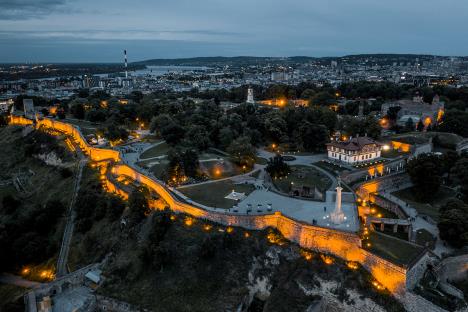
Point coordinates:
[(337, 216), (250, 97)]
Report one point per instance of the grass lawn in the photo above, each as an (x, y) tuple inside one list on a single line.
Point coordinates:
[(208, 156), (157, 166), (430, 207), (212, 194), (332, 168), (303, 175), (158, 169), (219, 169), (379, 212), (255, 174), (262, 161), (86, 127), (392, 249), (156, 151), (425, 238)]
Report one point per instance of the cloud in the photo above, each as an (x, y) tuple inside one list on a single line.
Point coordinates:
[(29, 9), (93, 35)]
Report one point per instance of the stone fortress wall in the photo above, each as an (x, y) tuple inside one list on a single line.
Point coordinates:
[(341, 244)]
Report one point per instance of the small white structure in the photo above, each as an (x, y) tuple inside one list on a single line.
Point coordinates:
[(337, 216), (354, 150), (94, 276), (235, 196), (250, 96)]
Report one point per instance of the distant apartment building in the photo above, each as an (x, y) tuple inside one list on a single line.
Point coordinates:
[(355, 150), (280, 76)]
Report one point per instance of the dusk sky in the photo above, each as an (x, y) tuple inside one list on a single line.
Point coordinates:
[(98, 30)]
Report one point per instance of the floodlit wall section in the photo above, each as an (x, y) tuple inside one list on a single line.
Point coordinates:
[(341, 244)]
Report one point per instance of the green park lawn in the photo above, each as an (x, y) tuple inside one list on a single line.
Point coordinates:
[(212, 194), (332, 168), (393, 249), (429, 207), (262, 161), (156, 151), (311, 177), (425, 238), (221, 168)]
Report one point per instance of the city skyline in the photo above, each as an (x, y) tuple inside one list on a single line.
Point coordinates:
[(62, 31)]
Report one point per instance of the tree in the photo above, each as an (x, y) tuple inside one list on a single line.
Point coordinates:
[(10, 204), (277, 167), (182, 163), (392, 112), (138, 206), (114, 133), (420, 125), (173, 133), (409, 125), (425, 173), (78, 111), (460, 172), (190, 163), (243, 152), (322, 98), (455, 121), (452, 225), (313, 136)]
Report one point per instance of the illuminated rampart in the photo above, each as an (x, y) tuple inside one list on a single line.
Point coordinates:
[(341, 244)]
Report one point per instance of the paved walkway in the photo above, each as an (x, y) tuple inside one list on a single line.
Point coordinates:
[(68, 233)]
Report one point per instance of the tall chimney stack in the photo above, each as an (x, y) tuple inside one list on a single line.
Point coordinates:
[(126, 73)]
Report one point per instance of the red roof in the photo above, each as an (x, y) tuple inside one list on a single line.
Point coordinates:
[(354, 144)]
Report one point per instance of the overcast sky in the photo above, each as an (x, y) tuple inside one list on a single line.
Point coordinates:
[(98, 30)]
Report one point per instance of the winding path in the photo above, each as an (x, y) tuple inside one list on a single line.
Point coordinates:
[(68, 233)]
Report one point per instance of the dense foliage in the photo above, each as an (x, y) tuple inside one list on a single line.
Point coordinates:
[(453, 227)]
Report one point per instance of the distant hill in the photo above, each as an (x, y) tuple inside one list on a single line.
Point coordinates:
[(256, 60)]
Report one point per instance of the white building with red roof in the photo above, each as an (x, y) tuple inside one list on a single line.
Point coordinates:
[(355, 150)]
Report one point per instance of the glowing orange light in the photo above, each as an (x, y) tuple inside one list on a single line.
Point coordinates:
[(188, 221), (377, 285), (306, 254), (207, 227), (352, 265), (230, 229), (379, 215), (326, 259), (427, 121), (26, 271), (172, 217), (246, 234)]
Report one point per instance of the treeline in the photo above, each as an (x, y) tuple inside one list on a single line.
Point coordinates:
[(428, 173)]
